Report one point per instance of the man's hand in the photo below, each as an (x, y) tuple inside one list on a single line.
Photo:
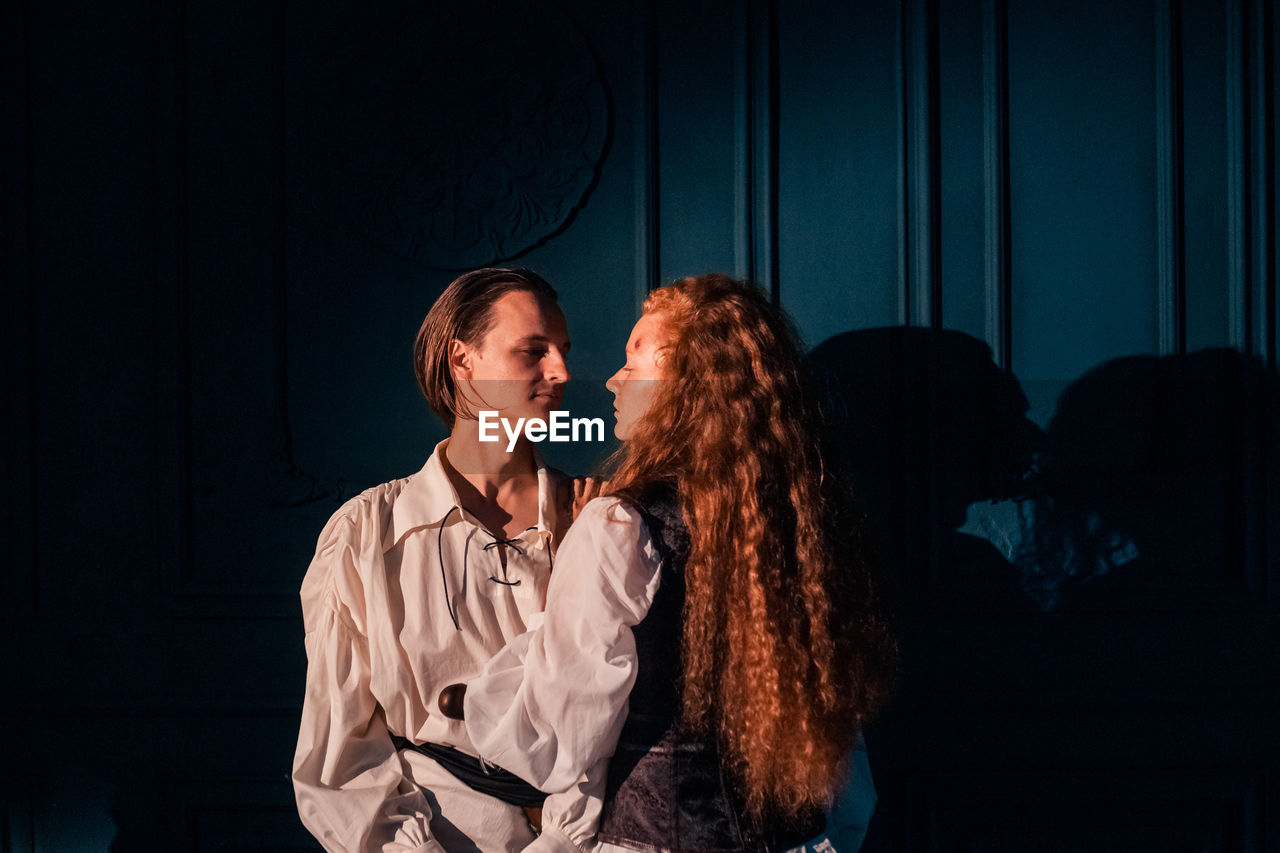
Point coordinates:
[(584, 489)]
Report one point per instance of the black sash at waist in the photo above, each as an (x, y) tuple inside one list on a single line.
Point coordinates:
[(485, 778)]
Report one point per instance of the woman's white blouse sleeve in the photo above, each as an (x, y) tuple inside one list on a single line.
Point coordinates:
[(552, 703)]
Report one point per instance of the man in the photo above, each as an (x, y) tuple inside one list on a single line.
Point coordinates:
[(416, 583)]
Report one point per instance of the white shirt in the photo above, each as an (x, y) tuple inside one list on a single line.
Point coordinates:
[(401, 600), (552, 704)]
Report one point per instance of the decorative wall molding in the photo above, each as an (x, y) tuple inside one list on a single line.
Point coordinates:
[(288, 484), (186, 584), (1251, 224), (756, 145), (459, 143), (919, 301), (1170, 180), (998, 262), (1259, 86), (1239, 274), (173, 454), (648, 245)]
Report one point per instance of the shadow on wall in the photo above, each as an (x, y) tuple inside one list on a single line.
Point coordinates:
[(1151, 489), (927, 426), (1163, 465)]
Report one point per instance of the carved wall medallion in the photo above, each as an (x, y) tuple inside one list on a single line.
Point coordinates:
[(466, 133)]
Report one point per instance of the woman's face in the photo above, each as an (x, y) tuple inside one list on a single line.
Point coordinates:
[(634, 385), (518, 369)]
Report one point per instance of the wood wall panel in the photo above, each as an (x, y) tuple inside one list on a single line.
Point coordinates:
[(839, 253), (227, 463), (1269, 26), (15, 827), (1262, 146), (1203, 170), (1173, 809), (997, 244), (1170, 183), (230, 814), (919, 284), (1082, 186), (81, 412), (756, 143), (697, 166), (1239, 279), (18, 575), (964, 54), (645, 160)]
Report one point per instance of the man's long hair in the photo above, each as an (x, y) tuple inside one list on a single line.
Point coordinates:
[(464, 312), (785, 653)]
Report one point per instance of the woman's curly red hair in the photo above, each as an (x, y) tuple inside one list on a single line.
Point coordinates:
[(785, 652)]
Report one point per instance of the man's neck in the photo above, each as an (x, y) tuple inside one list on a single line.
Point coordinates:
[(487, 466)]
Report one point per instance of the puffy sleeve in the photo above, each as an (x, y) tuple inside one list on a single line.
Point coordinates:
[(552, 703), (347, 776)]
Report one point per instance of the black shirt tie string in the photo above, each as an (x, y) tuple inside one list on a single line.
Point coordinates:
[(512, 543), (448, 602), (514, 546)]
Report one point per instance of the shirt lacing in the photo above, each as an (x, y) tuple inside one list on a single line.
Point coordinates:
[(514, 544)]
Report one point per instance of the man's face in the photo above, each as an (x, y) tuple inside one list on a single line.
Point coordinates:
[(518, 369)]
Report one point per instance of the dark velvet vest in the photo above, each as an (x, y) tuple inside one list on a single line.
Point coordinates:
[(666, 788)]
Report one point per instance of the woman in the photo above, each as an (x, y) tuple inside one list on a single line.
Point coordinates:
[(418, 582), (721, 590)]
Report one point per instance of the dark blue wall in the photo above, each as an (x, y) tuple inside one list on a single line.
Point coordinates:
[(1037, 239)]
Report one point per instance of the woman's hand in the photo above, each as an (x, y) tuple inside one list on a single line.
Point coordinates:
[(584, 489)]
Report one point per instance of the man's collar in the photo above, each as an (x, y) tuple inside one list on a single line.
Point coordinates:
[(429, 497)]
